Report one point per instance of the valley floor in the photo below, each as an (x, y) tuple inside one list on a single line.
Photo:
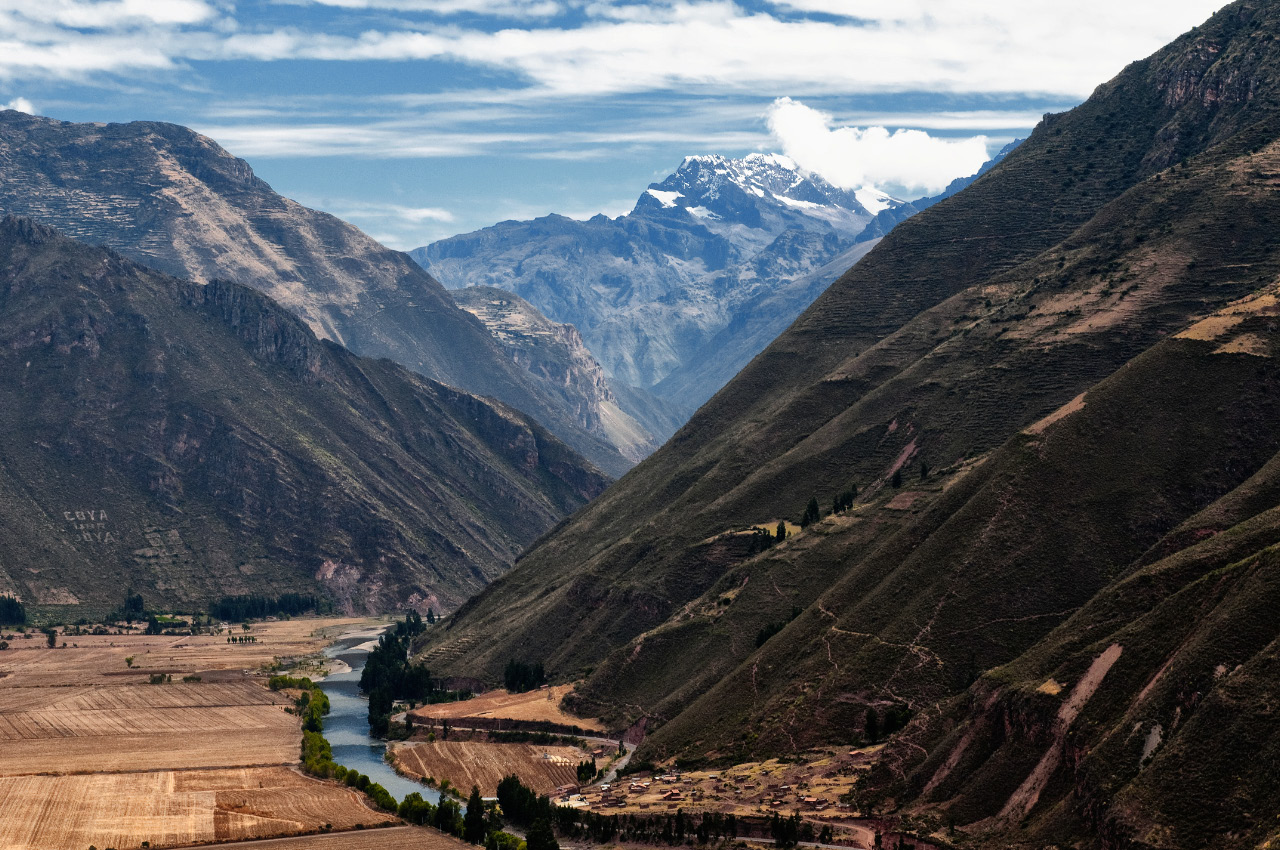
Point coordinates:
[(206, 754)]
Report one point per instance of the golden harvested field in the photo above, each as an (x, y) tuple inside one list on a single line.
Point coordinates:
[(143, 727), (467, 763), (89, 754), (170, 808), (533, 705), (390, 838), (100, 659)]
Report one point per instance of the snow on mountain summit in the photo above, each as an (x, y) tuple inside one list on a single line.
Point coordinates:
[(721, 188)]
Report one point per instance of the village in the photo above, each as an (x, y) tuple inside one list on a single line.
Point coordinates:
[(817, 788)]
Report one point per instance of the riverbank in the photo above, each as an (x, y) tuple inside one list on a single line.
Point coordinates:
[(346, 727)]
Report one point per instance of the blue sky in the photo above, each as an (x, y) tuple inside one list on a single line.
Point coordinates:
[(418, 119)]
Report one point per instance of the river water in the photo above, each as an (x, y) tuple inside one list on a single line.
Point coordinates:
[(346, 726)]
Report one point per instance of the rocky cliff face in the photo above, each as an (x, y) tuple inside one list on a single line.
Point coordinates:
[(175, 201), (200, 441), (556, 354)]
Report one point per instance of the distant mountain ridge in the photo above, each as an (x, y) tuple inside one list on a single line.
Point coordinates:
[(176, 201), (647, 290), (709, 266), (555, 352), (197, 440)]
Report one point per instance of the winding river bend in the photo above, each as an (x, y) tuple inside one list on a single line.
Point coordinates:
[(347, 725)]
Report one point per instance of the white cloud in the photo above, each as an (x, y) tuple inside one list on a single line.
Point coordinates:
[(972, 46), (429, 138), (111, 15), (21, 104), (387, 139), (404, 214), (498, 8), (853, 157)]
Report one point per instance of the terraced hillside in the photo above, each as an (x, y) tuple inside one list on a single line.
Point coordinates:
[(1039, 387), (199, 441)]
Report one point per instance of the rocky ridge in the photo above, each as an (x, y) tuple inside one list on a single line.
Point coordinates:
[(198, 440), (556, 353), (711, 264), (177, 202)]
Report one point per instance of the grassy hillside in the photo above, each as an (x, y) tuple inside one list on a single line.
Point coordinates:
[(1175, 746), (196, 441)]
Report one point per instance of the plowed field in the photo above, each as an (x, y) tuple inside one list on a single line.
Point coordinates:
[(467, 763), (392, 838), (100, 659), (143, 727), (90, 755), (534, 705), (171, 808)]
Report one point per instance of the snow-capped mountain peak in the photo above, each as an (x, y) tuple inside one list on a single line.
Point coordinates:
[(756, 188)]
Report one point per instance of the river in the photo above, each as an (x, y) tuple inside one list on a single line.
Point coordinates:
[(347, 725)]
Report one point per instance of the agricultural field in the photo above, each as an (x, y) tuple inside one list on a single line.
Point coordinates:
[(390, 838), (143, 727), (537, 705), (174, 763), (101, 659), (169, 808), (467, 763)]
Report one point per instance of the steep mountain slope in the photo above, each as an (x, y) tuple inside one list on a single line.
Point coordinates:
[(555, 353), (696, 257), (1142, 721), (1053, 280), (173, 200), (198, 440)]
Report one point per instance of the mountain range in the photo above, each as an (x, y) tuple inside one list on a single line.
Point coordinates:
[(195, 441), (1046, 412), (711, 264), (174, 200)]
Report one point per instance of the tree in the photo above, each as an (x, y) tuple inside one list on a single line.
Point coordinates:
[(521, 676), (541, 837), (431, 617), (924, 471), (11, 611), (52, 636), (134, 608), (448, 817), (872, 726), (897, 479), (781, 533), (844, 500), (380, 704), (812, 513), (473, 824)]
